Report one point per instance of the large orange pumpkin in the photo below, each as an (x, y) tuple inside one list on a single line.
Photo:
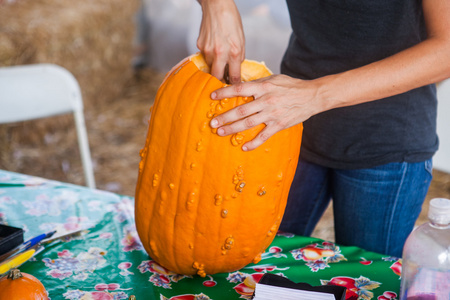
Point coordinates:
[(21, 286), (203, 205)]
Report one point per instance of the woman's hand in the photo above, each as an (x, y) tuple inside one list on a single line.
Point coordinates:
[(280, 102), (221, 39)]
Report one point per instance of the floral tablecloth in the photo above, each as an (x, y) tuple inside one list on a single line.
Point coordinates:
[(108, 261)]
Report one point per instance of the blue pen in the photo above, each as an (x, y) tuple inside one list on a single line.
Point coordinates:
[(33, 241), (27, 245)]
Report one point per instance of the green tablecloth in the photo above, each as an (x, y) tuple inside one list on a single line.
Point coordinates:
[(108, 261)]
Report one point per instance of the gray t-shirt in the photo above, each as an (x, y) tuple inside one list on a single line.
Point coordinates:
[(332, 36)]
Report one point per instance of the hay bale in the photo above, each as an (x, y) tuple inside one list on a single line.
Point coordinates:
[(94, 41)]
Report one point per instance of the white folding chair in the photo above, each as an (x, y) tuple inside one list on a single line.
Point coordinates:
[(42, 90)]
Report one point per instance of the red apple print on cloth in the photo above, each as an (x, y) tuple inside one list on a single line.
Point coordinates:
[(65, 253), (187, 297), (245, 283), (318, 257), (103, 291), (100, 296), (266, 268), (161, 277), (247, 287), (365, 262), (275, 249), (388, 296), (108, 287), (396, 267), (273, 252), (357, 288), (210, 282), (124, 266)]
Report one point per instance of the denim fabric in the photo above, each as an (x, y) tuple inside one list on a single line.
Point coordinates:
[(374, 208)]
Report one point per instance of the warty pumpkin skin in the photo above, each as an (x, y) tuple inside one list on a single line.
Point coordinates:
[(21, 286), (203, 205)]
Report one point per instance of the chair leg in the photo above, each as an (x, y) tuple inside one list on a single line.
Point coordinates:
[(84, 149)]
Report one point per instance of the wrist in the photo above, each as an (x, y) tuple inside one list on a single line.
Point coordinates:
[(329, 93), (213, 1)]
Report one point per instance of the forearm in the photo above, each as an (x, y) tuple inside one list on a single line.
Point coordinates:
[(425, 63)]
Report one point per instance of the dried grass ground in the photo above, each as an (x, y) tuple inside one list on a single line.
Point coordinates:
[(93, 40)]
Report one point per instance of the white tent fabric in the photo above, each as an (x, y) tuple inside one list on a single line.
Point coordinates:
[(441, 160), (172, 27)]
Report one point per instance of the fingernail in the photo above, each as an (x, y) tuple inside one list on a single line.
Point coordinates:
[(214, 123), (220, 131), (244, 148), (213, 95)]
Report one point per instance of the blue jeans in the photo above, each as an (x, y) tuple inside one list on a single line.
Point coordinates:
[(374, 208)]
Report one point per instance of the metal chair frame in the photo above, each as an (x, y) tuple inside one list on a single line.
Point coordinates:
[(37, 91)]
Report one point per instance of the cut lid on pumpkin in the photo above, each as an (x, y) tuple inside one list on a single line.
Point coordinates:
[(250, 69)]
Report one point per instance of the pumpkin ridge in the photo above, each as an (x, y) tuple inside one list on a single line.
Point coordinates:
[(231, 230), (268, 202), (295, 140), (153, 108), (224, 226), (155, 192), (243, 206), (171, 230), (177, 200), (182, 198), (227, 228), (141, 184), (246, 199), (204, 190)]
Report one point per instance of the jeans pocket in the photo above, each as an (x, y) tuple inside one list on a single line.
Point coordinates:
[(429, 166)]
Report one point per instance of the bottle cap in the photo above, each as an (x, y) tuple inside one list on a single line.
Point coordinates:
[(439, 211)]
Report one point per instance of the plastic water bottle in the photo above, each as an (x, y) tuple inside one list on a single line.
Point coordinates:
[(426, 257)]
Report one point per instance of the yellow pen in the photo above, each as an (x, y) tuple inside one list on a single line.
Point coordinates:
[(16, 260)]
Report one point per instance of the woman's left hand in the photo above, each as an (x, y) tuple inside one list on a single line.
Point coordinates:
[(279, 102)]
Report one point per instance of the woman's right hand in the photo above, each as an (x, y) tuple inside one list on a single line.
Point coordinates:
[(221, 39)]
